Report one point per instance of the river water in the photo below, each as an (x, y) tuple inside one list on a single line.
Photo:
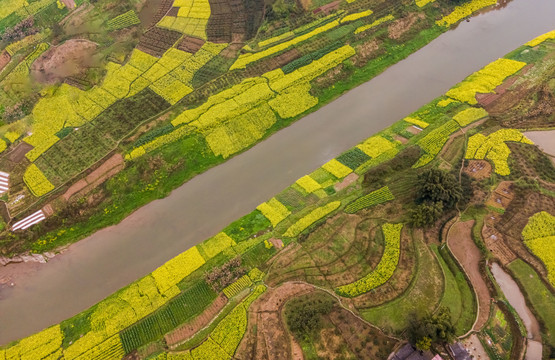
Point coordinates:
[(516, 299), (111, 258)]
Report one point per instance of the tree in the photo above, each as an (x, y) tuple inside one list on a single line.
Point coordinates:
[(436, 185), (426, 214), (437, 327), (424, 344), (437, 191)]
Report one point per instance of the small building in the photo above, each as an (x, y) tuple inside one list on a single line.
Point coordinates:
[(409, 352), (458, 351)]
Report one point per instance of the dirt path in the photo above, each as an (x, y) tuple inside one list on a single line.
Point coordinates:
[(468, 255), (188, 330)]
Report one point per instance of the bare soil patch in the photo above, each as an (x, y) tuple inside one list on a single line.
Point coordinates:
[(109, 168), (4, 59), (495, 241), (401, 26), (467, 253), (403, 140), (478, 169), (70, 4), (188, 330), (71, 58), (271, 340), (502, 196), (18, 153), (366, 51), (349, 179), (413, 130)]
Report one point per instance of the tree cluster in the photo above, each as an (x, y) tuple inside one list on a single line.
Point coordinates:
[(19, 31), (437, 191), (304, 316), (431, 329), (222, 276)]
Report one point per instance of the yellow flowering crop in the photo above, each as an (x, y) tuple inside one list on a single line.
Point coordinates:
[(239, 132), (420, 123), (9, 7), (293, 101), (421, 3), (356, 16), (216, 244), (375, 146), (445, 102), (141, 60), (3, 145), (311, 218), (485, 80), (236, 287), (245, 59), (374, 24), (462, 11), (276, 39), (274, 211), (12, 136), (109, 349), (539, 236), (36, 181), (468, 116), (385, 268), (37, 346), (337, 169), (308, 184), (177, 269), (541, 38), (493, 147)]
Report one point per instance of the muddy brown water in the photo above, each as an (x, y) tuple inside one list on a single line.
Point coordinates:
[(111, 258), (544, 139), (516, 299)]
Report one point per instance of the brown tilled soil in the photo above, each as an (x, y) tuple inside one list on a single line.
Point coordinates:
[(478, 169), (18, 153), (186, 331), (401, 26), (271, 340), (109, 168), (495, 241), (4, 59), (468, 255), (413, 130), (403, 140), (349, 179), (365, 52), (70, 4), (502, 195), (71, 58)]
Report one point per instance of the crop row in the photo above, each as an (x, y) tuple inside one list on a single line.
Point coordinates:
[(485, 80), (539, 236), (385, 268), (434, 141), (309, 219), (235, 118), (236, 287), (274, 211), (463, 11), (177, 311), (493, 147), (36, 181), (124, 20), (374, 198)]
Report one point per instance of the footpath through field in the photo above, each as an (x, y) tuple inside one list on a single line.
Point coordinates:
[(113, 257)]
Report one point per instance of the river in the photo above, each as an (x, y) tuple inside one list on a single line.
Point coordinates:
[(111, 258), (516, 299)]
